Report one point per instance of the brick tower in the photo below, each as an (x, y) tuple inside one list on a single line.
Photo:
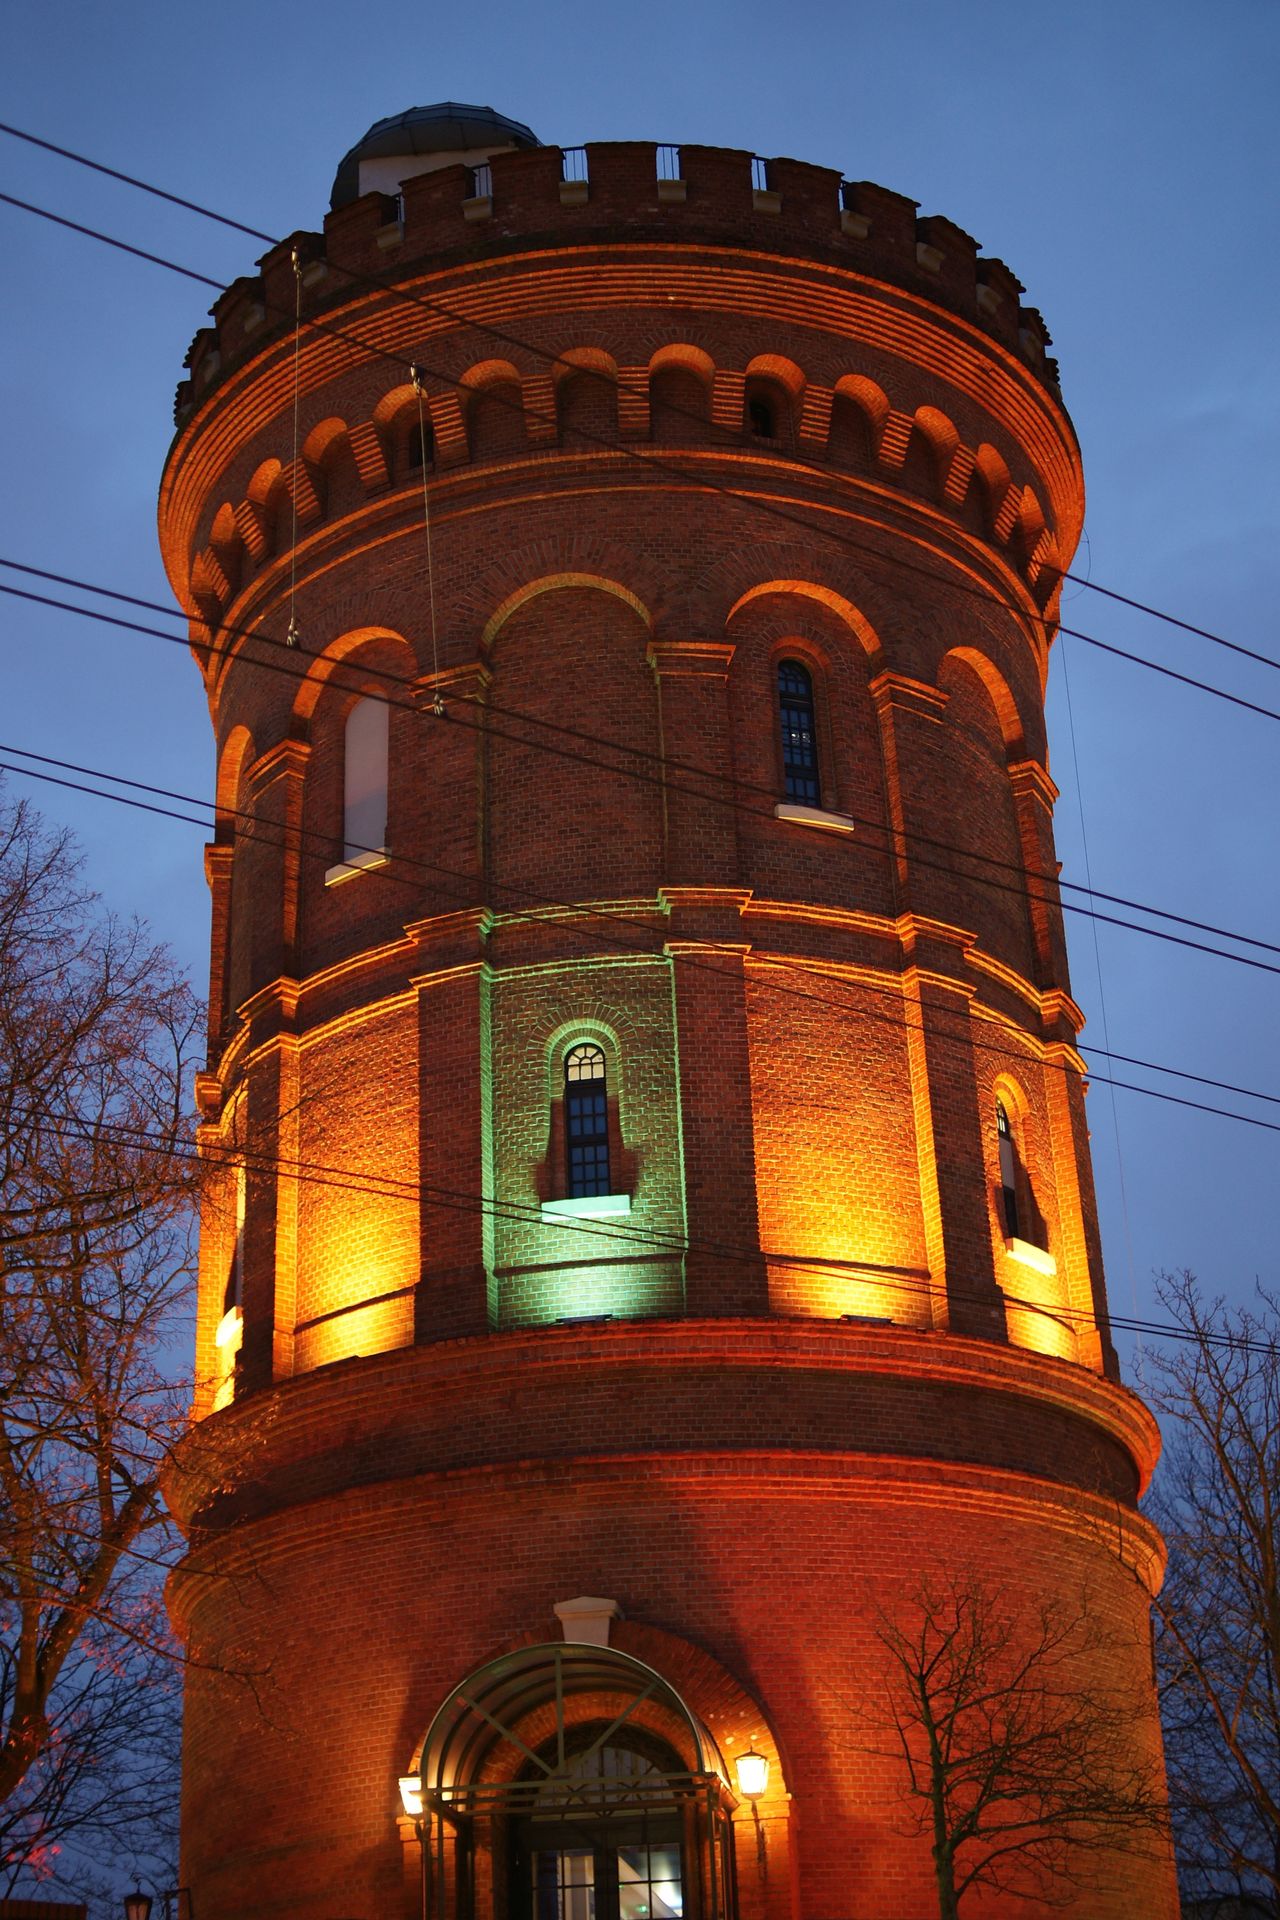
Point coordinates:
[(650, 1218)]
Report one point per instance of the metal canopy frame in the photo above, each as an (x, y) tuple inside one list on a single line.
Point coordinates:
[(490, 1707)]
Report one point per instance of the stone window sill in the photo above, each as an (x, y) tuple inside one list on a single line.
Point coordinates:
[(1038, 1258), (813, 817), (595, 1206), (360, 863)]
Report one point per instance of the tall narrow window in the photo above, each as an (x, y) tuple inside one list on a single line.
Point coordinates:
[(1008, 1171), (229, 1334), (364, 794), (799, 745), (586, 1122)]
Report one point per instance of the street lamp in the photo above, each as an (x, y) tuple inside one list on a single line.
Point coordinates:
[(415, 1809)]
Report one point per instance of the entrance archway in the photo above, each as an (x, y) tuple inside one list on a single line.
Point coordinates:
[(572, 1782)]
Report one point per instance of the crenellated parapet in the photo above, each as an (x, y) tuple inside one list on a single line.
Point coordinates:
[(611, 192)]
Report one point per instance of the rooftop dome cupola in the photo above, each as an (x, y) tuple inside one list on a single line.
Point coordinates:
[(421, 140)]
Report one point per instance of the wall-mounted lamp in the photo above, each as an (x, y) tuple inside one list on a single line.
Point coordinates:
[(138, 1905), (411, 1794), (753, 1774)]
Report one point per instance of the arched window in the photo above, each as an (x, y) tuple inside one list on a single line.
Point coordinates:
[(364, 783), (229, 1334), (799, 739), (1008, 1172), (586, 1122)]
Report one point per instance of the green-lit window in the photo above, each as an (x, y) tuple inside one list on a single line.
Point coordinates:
[(586, 1121)]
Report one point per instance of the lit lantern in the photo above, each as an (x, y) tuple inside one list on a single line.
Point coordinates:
[(411, 1794), (137, 1906), (753, 1774)]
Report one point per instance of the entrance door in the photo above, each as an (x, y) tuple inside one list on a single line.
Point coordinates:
[(607, 1880), (604, 1841)]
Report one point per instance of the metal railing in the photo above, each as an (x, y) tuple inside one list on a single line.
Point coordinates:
[(480, 181), (573, 163), (668, 159)]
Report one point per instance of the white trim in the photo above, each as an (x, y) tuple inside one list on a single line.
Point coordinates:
[(814, 817), (1028, 1256), (358, 863), (594, 1206)]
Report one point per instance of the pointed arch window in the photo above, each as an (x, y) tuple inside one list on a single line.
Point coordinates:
[(799, 733), (364, 783), (586, 1121)]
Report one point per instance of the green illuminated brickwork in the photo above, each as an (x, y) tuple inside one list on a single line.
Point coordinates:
[(630, 1266)]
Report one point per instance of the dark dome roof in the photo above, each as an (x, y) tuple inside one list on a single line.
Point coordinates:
[(448, 127)]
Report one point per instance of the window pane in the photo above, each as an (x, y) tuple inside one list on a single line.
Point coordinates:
[(564, 1884), (649, 1883), (364, 810), (584, 1063), (799, 747), (586, 1119)]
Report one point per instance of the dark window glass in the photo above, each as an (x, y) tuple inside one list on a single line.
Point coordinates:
[(421, 446), (586, 1122), (1008, 1171), (799, 747), (761, 420)]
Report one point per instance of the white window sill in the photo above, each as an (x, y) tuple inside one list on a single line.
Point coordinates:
[(595, 1206), (360, 863), (1028, 1256), (813, 817)]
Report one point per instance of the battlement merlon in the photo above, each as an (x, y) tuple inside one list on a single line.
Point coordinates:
[(611, 192)]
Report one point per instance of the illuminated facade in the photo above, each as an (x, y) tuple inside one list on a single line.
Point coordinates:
[(646, 1134)]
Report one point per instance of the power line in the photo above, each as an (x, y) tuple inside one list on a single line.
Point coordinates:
[(382, 283), (769, 508), (365, 347), (451, 1199), (1018, 887), (611, 919)]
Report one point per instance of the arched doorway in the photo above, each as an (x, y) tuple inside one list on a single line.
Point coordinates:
[(571, 1782)]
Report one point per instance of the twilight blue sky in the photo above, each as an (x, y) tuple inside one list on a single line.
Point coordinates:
[(1121, 157)]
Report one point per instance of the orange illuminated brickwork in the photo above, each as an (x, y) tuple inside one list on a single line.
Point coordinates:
[(706, 733)]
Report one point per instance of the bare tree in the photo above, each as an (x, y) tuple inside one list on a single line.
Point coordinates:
[(1020, 1751), (1218, 1615), (96, 1030)]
